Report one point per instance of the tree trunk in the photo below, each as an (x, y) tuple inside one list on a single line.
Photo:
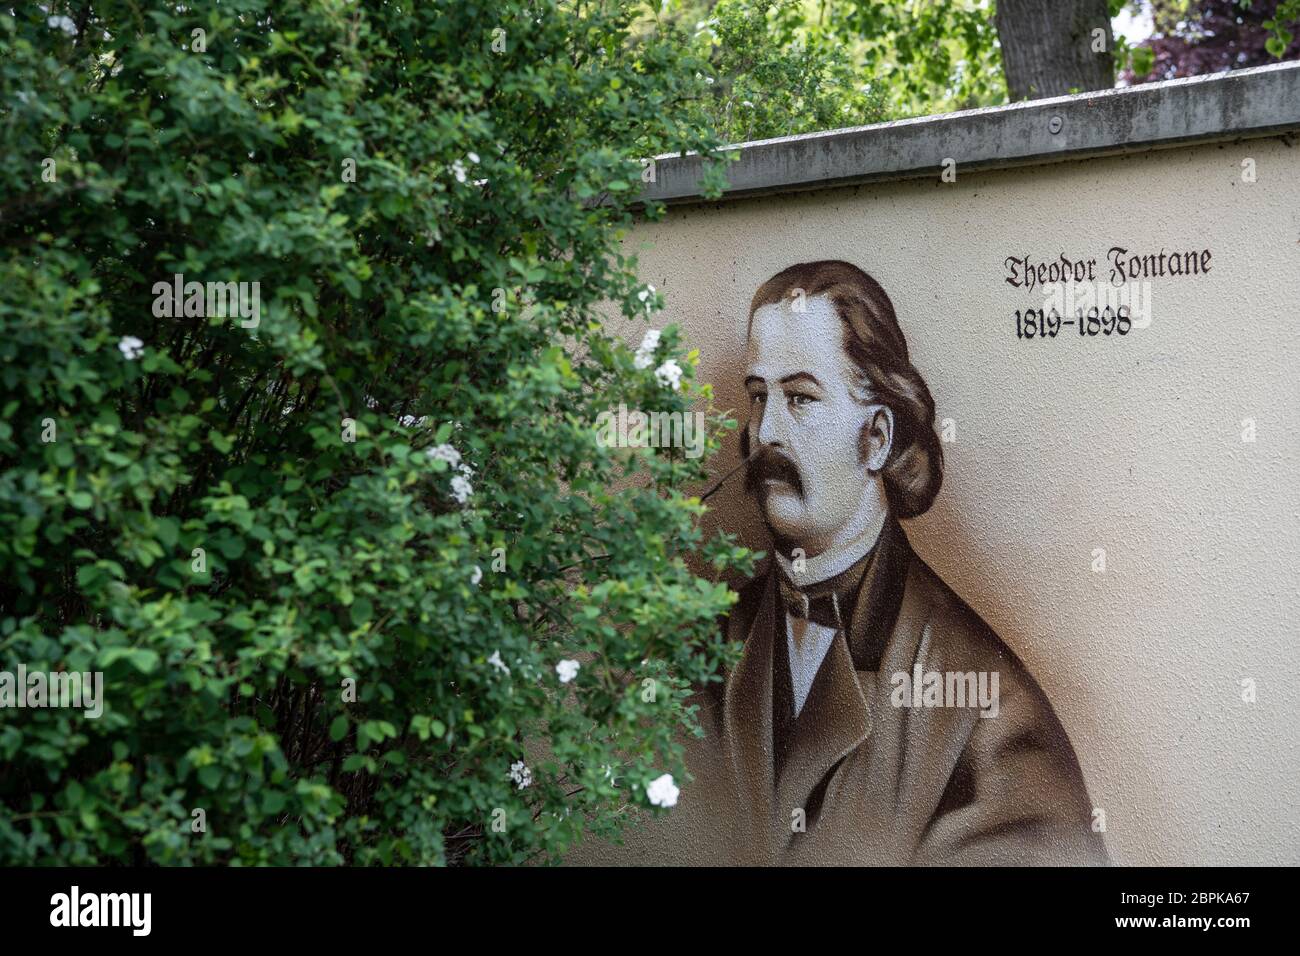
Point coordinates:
[(1049, 47)]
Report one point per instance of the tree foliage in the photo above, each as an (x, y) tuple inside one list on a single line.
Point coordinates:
[(1193, 37), (771, 73), (804, 65), (925, 57)]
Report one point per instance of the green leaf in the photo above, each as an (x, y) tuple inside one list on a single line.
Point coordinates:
[(141, 658), (338, 728), (144, 660), (220, 442), (273, 802), (361, 611)]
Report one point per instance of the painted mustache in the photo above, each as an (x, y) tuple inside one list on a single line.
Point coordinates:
[(768, 464)]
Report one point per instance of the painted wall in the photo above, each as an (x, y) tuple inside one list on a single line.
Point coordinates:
[(1132, 444)]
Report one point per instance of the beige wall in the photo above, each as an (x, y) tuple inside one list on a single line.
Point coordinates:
[(1064, 446)]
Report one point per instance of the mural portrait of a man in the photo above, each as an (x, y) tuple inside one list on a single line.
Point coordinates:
[(873, 717)]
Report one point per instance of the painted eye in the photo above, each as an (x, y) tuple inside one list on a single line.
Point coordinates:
[(756, 398), (799, 399)]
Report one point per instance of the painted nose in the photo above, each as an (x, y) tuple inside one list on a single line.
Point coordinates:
[(772, 424)]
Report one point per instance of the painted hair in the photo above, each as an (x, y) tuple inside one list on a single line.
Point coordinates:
[(875, 344)]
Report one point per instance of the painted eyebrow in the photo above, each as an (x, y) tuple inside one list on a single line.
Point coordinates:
[(795, 377), (801, 377)]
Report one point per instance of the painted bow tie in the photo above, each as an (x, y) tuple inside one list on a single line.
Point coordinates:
[(819, 608)]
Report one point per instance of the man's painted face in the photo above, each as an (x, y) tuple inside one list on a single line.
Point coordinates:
[(804, 424)]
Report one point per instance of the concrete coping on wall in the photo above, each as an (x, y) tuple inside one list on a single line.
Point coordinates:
[(1261, 101)]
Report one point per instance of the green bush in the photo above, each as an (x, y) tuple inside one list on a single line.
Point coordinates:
[(305, 553)]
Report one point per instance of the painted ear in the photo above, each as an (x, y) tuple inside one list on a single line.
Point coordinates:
[(877, 439)]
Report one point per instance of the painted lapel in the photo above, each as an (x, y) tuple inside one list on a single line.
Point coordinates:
[(747, 716), (835, 721), (837, 717), (879, 597)]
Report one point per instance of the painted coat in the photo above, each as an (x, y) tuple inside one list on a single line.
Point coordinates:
[(875, 783)]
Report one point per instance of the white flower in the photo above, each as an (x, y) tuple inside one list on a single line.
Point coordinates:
[(131, 347), (444, 453), (567, 670), (410, 421), (458, 170), (520, 774), (461, 489), (476, 575), (496, 661), (645, 352), (63, 23), (662, 792), (669, 375), (747, 103), (472, 157), (647, 298)]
